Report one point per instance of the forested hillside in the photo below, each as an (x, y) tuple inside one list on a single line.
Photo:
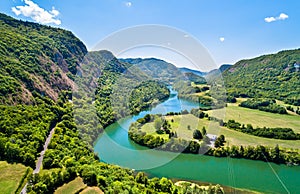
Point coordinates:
[(275, 76), (156, 68), (45, 73), (36, 58)]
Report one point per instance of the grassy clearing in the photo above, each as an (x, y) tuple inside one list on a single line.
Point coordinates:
[(181, 122), (180, 125), (92, 190), (11, 176), (73, 186), (150, 129), (285, 105), (257, 118)]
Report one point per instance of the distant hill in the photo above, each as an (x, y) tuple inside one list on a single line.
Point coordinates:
[(36, 59), (215, 73), (274, 76), (196, 72), (195, 78), (224, 67), (161, 70), (156, 68)]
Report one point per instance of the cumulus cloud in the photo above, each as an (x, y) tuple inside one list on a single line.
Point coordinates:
[(128, 4), (270, 19), (222, 39), (282, 16), (38, 14)]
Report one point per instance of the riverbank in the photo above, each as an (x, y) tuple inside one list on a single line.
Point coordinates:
[(240, 173)]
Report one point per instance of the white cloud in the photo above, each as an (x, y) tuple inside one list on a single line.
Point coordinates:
[(282, 16), (38, 14), (270, 19), (128, 4), (222, 39)]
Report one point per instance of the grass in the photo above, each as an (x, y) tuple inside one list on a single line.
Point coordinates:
[(92, 190), (73, 186), (257, 118), (232, 137), (180, 125), (150, 129), (11, 176)]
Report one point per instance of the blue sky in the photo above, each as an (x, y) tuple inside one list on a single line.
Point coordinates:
[(230, 29)]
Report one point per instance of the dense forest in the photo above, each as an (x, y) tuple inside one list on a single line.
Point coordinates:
[(275, 76), (24, 129)]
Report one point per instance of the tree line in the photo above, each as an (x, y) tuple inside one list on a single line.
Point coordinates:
[(264, 105), (275, 133)]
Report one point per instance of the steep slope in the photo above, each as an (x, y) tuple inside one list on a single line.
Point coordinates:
[(274, 76), (36, 58)]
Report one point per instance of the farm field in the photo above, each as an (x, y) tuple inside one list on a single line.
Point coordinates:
[(11, 176), (257, 118), (73, 186), (181, 122)]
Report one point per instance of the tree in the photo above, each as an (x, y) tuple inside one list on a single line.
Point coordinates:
[(276, 153), (189, 127), (220, 141), (203, 131), (141, 178), (222, 138), (89, 177), (165, 185), (197, 134), (158, 123)]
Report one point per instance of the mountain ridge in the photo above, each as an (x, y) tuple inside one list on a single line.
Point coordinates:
[(271, 76)]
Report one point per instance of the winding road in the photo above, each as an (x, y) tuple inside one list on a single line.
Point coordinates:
[(39, 162)]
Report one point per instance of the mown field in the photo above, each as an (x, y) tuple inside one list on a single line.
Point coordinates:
[(77, 186), (257, 118), (181, 123), (11, 177), (73, 186)]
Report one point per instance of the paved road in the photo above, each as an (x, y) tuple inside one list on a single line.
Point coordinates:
[(39, 162)]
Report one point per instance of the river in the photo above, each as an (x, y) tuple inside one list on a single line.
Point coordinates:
[(114, 147)]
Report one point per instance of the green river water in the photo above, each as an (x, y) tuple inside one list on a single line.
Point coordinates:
[(114, 147)]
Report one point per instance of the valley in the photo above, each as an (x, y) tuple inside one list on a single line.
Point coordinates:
[(137, 125)]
